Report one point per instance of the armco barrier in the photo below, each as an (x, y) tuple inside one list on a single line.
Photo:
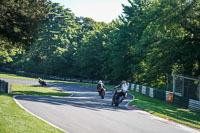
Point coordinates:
[(159, 94), (151, 94), (22, 73), (170, 97), (147, 91), (194, 105), (129, 86), (140, 88), (132, 86), (137, 88), (180, 101), (144, 90)]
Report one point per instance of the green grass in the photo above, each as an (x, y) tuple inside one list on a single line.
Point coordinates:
[(19, 89), (8, 75), (14, 119), (160, 108)]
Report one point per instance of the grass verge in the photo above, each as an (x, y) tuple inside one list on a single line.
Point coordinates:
[(19, 89), (160, 108), (14, 119), (8, 75)]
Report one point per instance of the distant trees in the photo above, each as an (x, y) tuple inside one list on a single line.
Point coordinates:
[(151, 38)]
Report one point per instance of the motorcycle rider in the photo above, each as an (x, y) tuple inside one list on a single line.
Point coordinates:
[(124, 89), (39, 79), (99, 86)]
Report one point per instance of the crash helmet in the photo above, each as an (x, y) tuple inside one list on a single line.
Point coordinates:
[(123, 81), (100, 81)]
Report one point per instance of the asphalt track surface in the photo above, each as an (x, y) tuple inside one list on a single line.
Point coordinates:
[(86, 112)]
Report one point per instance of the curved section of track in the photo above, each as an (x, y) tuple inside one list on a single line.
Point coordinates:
[(86, 112)]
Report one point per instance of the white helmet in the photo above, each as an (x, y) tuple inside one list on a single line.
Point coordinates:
[(100, 81), (123, 81)]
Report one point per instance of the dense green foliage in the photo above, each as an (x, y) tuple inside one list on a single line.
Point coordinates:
[(151, 38), (20, 22)]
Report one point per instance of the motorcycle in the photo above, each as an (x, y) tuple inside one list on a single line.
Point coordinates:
[(102, 92), (42, 83), (117, 97)]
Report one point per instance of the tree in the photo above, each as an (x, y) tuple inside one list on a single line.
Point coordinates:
[(90, 56), (20, 21), (58, 35)]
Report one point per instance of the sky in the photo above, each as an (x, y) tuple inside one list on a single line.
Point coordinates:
[(99, 10)]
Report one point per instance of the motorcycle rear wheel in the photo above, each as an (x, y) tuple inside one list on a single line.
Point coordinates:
[(102, 95)]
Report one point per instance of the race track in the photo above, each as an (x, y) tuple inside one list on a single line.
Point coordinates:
[(86, 112)]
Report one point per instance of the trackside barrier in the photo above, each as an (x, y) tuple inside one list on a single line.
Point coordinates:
[(22, 73), (167, 96), (140, 88), (132, 86), (147, 91), (129, 86), (5, 87), (137, 88), (194, 105), (151, 92), (170, 97), (158, 94), (180, 101), (144, 90)]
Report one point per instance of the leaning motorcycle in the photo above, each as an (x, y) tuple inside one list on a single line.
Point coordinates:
[(117, 97), (102, 92), (42, 83)]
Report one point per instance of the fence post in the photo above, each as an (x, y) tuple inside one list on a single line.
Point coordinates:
[(174, 81)]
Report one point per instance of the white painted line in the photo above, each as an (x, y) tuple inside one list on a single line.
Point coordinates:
[(129, 102), (177, 124), (37, 115)]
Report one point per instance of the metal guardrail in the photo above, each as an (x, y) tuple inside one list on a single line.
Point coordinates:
[(194, 105), (158, 94), (22, 73), (176, 100), (180, 101)]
